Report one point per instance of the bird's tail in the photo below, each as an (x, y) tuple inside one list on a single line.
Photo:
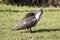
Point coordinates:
[(18, 26)]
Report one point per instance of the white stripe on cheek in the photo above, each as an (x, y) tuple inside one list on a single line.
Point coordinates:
[(38, 15)]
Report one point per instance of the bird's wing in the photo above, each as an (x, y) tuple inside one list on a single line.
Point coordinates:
[(29, 22), (25, 23)]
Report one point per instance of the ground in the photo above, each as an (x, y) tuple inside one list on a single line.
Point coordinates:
[(48, 27)]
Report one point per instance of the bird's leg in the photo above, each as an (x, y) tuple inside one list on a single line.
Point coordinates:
[(27, 28), (30, 29)]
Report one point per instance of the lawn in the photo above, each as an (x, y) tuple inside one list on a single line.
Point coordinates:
[(48, 27)]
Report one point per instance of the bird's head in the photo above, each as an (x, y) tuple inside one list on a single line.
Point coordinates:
[(39, 13), (40, 10)]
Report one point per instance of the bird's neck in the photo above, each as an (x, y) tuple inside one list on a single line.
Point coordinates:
[(38, 14)]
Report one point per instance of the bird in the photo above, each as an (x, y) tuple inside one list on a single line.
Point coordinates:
[(29, 21)]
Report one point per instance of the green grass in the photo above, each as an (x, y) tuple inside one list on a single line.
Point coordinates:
[(48, 28)]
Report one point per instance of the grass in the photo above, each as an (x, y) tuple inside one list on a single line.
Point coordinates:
[(48, 28)]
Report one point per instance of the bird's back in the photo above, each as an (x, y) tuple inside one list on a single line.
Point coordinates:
[(29, 15)]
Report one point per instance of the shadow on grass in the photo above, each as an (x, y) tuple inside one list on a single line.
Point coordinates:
[(16, 10), (24, 10), (43, 30)]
